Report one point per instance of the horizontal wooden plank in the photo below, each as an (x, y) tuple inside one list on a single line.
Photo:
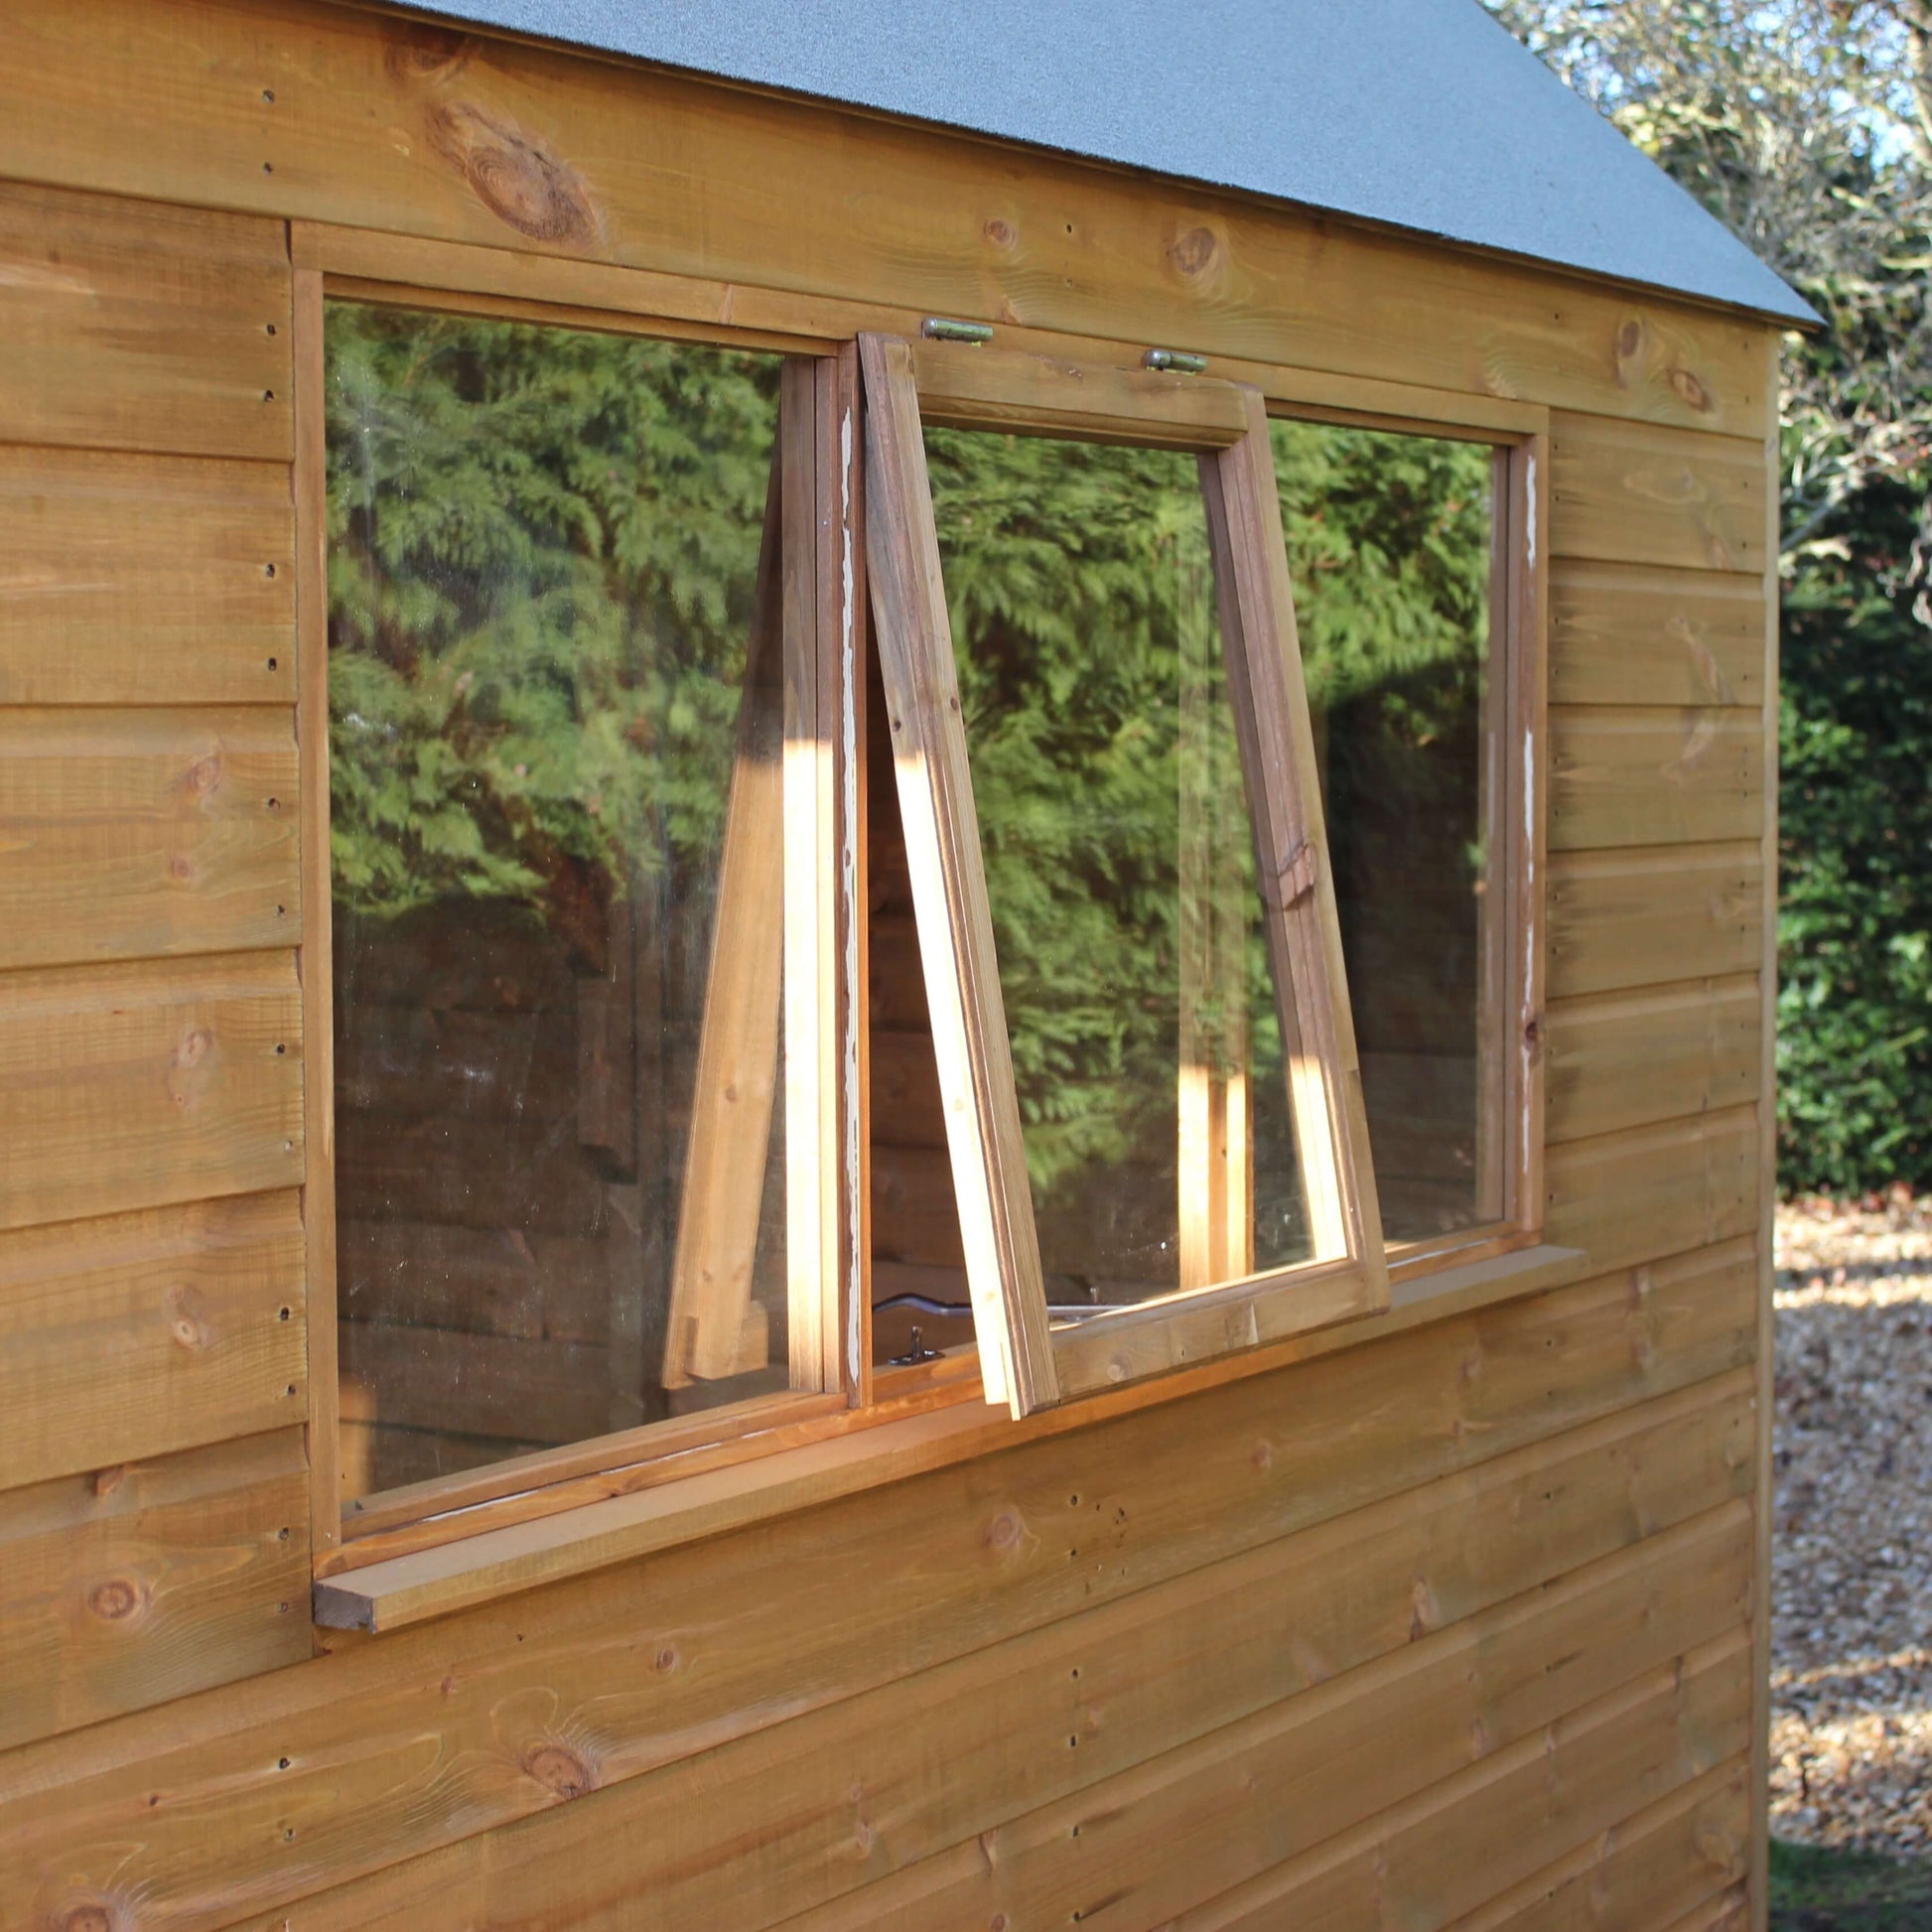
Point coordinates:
[(1136, 1848), (1652, 1869), (134, 1086), (1622, 633), (1423, 1863), (534, 149), (491, 1281), (895, 978), (914, 1212), (1632, 775), (1632, 916), (145, 1581), (138, 834), (132, 326), (144, 580), (419, 1584), (908, 1109), (410, 270), (475, 956), (974, 388), (1730, 1911), (1083, 1763), (650, 1661), (1624, 1059), (478, 1173), (1649, 1191), (376, 1458), (1637, 493), (414, 1060), (916, 1218), (141, 1334), (522, 1389)]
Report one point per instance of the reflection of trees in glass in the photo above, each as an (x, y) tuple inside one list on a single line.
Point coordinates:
[(1076, 577), (542, 548)]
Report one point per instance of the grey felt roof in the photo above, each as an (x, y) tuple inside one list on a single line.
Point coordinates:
[(1424, 115)]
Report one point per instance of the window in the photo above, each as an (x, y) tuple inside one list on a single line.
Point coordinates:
[(1113, 830), (563, 805), (1400, 546), (745, 779)]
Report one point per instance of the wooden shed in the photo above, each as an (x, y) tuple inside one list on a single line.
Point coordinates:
[(885, 976)]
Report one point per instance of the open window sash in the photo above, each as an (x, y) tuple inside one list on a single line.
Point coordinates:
[(1031, 1355)]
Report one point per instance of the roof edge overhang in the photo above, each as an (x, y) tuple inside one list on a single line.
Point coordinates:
[(1779, 305)]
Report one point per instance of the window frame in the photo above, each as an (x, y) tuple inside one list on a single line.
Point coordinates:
[(1515, 750), (669, 1483), (1025, 1361), (810, 565)]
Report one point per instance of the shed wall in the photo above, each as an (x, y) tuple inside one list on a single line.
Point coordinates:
[(1456, 1628)]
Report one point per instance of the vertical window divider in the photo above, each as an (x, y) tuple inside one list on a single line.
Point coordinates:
[(1524, 468), (314, 955), (823, 1010)]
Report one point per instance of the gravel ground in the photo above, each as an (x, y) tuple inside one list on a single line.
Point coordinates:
[(1851, 1564)]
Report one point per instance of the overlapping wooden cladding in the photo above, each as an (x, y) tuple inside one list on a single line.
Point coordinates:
[(1507, 1447), (154, 1519), (148, 566), (245, 105)]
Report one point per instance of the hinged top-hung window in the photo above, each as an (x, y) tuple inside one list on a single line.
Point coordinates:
[(1126, 918)]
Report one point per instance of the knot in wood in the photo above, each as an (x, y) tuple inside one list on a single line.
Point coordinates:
[(187, 1319), (1193, 253), (1422, 1613), (1001, 233), (559, 1768), (513, 175), (1003, 1533), (205, 775), (114, 1601), (428, 54), (1629, 342), (88, 1918), (1690, 389)]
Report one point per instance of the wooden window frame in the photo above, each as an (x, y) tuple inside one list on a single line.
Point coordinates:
[(811, 577), (1514, 749), (1025, 1361), (567, 1512)]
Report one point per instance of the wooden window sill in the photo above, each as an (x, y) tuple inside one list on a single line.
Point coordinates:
[(470, 1570)]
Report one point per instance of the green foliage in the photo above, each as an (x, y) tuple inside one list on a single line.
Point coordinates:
[(1816, 1888), (1807, 127), (1081, 600), (1855, 999), (542, 550), (543, 545)]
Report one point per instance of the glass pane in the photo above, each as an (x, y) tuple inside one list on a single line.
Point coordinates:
[(1391, 544), (543, 577), (1147, 1041)]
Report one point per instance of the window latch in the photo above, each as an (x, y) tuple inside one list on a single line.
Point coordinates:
[(941, 329)]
